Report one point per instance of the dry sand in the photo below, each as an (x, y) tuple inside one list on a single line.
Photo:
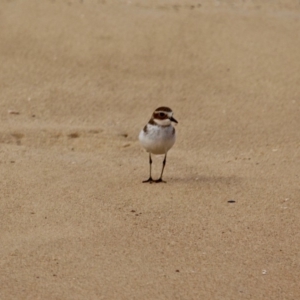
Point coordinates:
[(79, 79)]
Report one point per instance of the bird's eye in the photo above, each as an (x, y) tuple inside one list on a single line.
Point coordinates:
[(161, 114)]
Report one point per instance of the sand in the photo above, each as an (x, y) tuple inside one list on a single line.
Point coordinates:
[(79, 79)]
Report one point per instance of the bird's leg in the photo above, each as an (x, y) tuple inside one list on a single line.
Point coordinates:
[(150, 163), (163, 166)]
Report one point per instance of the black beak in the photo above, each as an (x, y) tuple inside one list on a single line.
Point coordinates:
[(173, 120)]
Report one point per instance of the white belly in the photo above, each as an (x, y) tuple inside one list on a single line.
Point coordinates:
[(157, 140)]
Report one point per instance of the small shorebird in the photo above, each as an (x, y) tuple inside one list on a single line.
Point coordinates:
[(158, 136)]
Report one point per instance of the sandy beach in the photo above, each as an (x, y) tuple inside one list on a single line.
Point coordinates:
[(79, 80)]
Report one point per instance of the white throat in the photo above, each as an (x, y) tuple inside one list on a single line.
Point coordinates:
[(166, 122)]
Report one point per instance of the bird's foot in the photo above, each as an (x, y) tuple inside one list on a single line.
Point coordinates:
[(150, 180), (159, 180)]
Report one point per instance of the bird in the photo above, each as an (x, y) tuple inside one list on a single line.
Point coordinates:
[(158, 137)]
